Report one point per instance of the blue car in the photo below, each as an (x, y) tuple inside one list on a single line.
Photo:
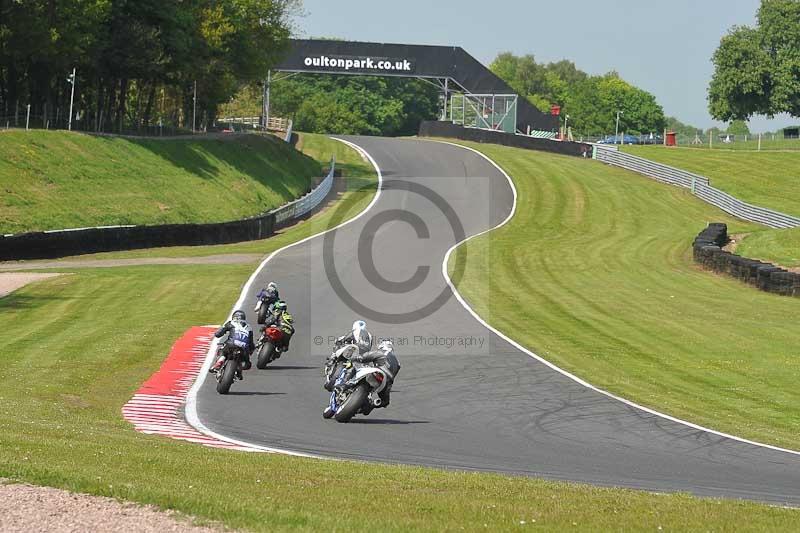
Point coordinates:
[(620, 139)]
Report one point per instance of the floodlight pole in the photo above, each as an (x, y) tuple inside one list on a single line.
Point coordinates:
[(616, 130), (71, 98)]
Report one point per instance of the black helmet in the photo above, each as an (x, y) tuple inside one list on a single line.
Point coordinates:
[(239, 316), (280, 305)]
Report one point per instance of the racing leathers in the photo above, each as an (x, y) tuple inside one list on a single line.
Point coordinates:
[(240, 335), (387, 362), (266, 298), (283, 321)]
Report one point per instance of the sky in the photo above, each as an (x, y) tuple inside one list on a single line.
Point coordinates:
[(664, 47)]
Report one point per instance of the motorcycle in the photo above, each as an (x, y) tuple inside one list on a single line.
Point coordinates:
[(268, 346), (231, 370), (356, 390), (263, 310)]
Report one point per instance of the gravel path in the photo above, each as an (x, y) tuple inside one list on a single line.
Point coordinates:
[(13, 281), (28, 508), (229, 259)]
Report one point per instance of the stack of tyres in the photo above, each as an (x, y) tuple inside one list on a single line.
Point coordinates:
[(707, 251)]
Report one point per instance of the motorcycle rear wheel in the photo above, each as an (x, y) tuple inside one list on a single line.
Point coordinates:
[(265, 355), (353, 403), (228, 374)]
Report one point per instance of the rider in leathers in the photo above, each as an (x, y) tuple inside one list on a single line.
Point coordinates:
[(281, 319), (358, 336), (239, 335), (267, 296), (384, 359)]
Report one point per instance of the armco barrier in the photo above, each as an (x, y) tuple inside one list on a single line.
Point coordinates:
[(707, 250), (435, 128), (700, 187), (60, 243)]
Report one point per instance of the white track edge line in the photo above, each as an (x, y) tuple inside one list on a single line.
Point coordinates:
[(548, 363), (191, 400)]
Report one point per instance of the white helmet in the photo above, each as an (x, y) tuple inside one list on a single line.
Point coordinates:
[(386, 346), (359, 330), (272, 285)]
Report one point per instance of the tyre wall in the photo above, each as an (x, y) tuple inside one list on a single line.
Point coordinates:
[(707, 251)]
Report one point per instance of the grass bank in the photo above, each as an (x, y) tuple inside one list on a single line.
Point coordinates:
[(778, 246), (597, 267), (767, 179), (360, 184), (56, 180)]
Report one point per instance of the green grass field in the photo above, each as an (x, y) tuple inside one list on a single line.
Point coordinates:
[(751, 144), (56, 180), (767, 179), (597, 268), (778, 246), (77, 356)]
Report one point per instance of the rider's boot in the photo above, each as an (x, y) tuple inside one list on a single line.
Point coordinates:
[(328, 412)]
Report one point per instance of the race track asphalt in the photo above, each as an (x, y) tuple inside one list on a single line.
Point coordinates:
[(465, 398)]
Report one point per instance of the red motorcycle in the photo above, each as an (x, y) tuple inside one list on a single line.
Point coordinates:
[(268, 346)]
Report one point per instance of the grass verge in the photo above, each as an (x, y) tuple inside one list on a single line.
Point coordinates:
[(78, 355), (56, 180), (766, 179), (597, 267), (780, 246)]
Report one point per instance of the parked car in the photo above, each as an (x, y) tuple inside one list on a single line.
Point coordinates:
[(619, 139)]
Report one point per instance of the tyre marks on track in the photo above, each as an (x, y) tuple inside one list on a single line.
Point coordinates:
[(157, 407)]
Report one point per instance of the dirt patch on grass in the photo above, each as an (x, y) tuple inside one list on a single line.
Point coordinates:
[(29, 508), (230, 259), (9, 282)]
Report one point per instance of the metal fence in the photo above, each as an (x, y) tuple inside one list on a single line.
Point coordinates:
[(307, 203), (700, 187)]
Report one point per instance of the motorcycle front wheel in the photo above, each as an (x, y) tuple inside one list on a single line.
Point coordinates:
[(353, 403), (228, 374), (265, 355)]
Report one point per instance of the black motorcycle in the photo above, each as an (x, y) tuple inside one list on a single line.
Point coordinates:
[(231, 370)]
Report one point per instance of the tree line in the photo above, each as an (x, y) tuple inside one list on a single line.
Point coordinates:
[(137, 61), (592, 102)]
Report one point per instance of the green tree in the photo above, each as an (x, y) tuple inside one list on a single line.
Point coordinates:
[(757, 70), (738, 127)]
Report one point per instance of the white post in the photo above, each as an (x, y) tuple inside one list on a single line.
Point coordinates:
[(616, 128), (446, 91), (711, 139), (28, 118), (71, 98), (194, 108), (267, 94), (759, 142)]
